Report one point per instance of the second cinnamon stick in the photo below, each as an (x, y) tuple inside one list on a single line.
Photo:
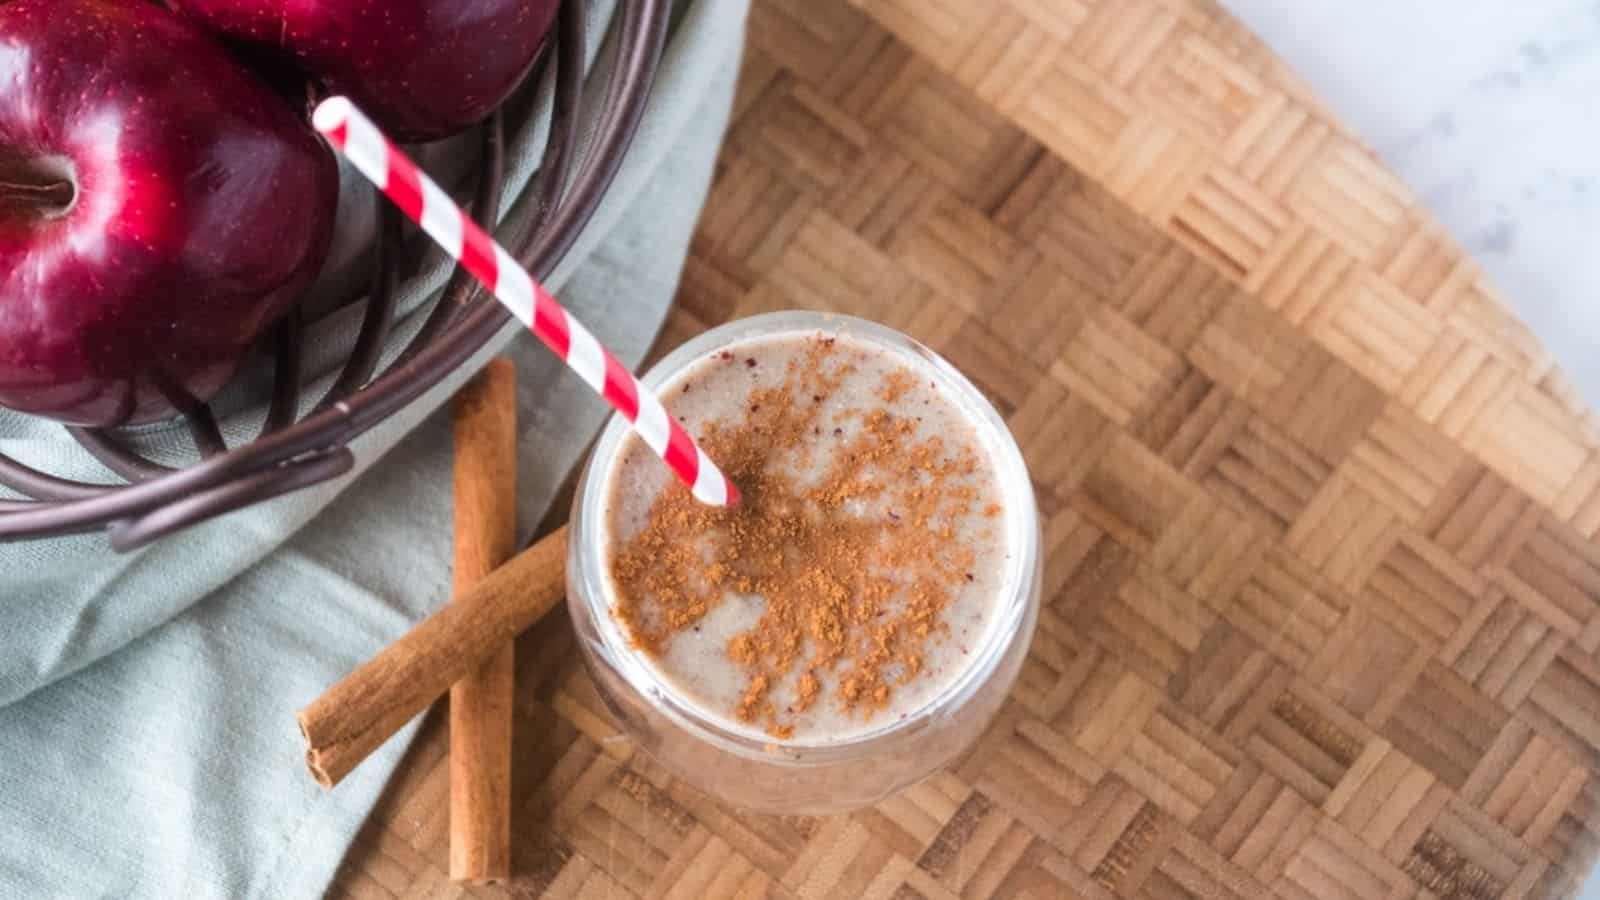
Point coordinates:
[(485, 428), (352, 718)]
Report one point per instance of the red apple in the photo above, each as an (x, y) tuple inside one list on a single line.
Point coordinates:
[(423, 69), (159, 207)]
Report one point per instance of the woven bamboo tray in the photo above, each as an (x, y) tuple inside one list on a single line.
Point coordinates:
[(1323, 579)]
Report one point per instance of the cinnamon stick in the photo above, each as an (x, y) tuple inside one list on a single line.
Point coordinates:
[(480, 704), (352, 718)]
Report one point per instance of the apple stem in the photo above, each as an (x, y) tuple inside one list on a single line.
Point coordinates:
[(52, 196)]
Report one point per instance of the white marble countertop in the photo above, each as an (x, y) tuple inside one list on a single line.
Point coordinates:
[(1490, 109)]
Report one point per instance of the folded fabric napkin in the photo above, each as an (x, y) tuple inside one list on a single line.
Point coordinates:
[(147, 737)]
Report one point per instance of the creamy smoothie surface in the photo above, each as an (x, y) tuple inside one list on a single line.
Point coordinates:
[(862, 572)]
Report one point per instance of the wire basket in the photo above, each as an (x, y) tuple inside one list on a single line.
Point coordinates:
[(291, 453)]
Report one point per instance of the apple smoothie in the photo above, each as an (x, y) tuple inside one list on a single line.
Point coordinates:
[(861, 576)]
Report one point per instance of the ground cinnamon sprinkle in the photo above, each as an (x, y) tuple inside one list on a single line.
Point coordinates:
[(852, 596), (896, 385)]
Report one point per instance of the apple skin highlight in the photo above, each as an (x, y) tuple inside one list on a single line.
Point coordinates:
[(160, 207)]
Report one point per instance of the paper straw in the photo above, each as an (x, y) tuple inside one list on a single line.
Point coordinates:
[(373, 155)]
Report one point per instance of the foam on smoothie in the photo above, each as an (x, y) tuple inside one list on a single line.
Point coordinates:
[(878, 472)]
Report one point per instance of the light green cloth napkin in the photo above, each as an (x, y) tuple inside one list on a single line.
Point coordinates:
[(147, 737)]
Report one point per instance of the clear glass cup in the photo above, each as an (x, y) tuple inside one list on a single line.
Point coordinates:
[(765, 775)]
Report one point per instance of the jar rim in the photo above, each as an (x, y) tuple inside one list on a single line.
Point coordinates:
[(1019, 588)]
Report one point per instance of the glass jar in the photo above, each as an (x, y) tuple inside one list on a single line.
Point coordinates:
[(796, 776)]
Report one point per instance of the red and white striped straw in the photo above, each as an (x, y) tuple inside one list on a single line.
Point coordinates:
[(354, 135)]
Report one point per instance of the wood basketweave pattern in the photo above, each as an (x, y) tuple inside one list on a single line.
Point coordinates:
[(1322, 585)]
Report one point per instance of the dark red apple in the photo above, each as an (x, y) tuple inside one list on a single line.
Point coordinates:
[(159, 207), (423, 69)]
